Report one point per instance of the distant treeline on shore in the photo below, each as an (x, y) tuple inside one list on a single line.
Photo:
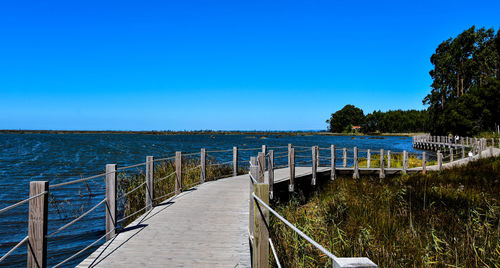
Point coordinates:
[(198, 132)]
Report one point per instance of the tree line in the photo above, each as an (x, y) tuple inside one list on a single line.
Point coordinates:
[(464, 98), (396, 121)]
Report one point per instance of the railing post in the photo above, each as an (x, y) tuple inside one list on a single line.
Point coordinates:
[(451, 154), (203, 165), (405, 161), (355, 174), (388, 158), (440, 160), (317, 156), (261, 233), (382, 172), (344, 155), (262, 164), (178, 172), (463, 147), (271, 173), (313, 165), (264, 152), (110, 201), (254, 170), (37, 225), (235, 161), (368, 158), (424, 163), (333, 174), (149, 182), (291, 166), (491, 148)]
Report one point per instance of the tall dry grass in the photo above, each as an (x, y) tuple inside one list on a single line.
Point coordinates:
[(442, 219)]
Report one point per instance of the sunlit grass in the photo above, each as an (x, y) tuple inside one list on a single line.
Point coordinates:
[(447, 218)]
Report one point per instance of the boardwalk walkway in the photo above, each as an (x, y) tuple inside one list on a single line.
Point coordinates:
[(206, 226)]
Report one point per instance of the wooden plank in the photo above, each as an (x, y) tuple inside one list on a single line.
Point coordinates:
[(355, 174), (261, 233), (271, 173), (235, 161), (37, 225), (203, 163), (178, 172), (206, 227), (333, 174), (111, 207), (149, 182), (291, 166)]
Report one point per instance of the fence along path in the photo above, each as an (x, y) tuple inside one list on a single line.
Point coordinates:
[(206, 224)]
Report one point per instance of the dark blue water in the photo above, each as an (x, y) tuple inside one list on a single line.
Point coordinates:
[(60, 158)]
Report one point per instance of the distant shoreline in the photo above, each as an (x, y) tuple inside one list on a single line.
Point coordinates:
[(201, 132)]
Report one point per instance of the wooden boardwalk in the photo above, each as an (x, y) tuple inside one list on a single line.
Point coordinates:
[(206, 226)]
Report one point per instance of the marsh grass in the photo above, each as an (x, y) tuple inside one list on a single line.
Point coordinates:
[(164, 183), (396, 161), (448, 218)]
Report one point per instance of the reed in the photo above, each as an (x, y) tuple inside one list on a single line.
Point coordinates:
[(396, 161), (447, 218)]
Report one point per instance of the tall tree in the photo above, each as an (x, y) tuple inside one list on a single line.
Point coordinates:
[(345, 117), (461, 64)]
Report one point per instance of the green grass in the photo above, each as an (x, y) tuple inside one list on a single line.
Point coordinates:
[(396, 161), (441, 219)]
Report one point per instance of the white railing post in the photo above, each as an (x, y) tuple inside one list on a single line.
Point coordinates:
[(440, 160), (313, 165), (368, 158), (405, 161), (333, 174), (203, 165), (271, 172), (235, 161), (291, 167)]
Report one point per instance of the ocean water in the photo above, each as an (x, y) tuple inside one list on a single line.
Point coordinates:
[(65, 157)]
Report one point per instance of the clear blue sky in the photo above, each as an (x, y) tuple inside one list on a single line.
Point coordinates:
[(189, 65)]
